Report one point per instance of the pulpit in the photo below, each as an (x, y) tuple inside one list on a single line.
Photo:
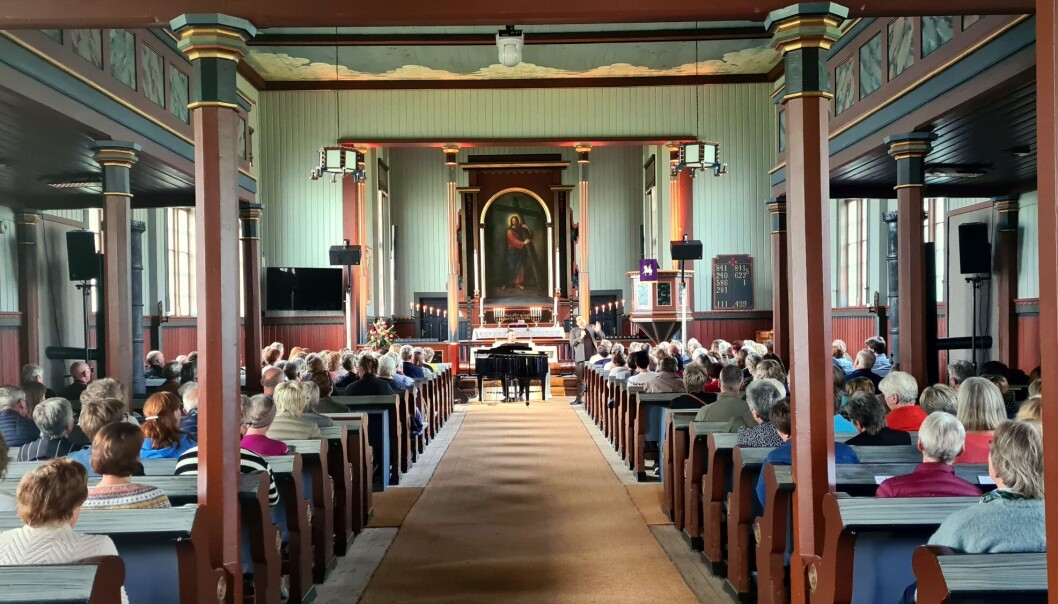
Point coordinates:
[(660, 306)]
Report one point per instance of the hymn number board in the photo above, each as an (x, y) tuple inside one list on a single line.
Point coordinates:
[(733, 282)]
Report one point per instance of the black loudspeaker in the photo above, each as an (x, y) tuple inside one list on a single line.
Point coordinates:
[(975, 252), (686, 250), (82, 255), (345, 255)]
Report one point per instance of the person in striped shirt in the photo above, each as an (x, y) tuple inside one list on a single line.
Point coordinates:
[(249, 462), (116, 456), (54, 419)]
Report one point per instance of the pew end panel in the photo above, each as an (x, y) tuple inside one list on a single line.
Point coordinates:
[(96, 580), (948, 577)]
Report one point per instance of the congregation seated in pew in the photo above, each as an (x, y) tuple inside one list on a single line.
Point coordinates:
[(729, 405), (257, 414), (900, 391), (940, 439), (95, 414), (16, 428), (163, 438), (868, 417), (1031, 409), (312, 412), (938, 397), (189, 419), (863, 365), (54, 419), (780, 418), (7, 502), (761, 397), (981, 410), (666, 380), (49, 503), (325, 387), (290, 401), (116, 457), (1009, 519), (619, 366), (369, 383), (640, 375), (841, 421)]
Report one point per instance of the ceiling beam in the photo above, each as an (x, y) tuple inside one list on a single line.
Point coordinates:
[(84, 201), (325, 13), (531, 38), (469, 84)]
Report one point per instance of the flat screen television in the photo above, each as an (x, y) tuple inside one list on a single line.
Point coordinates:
[(293, 288)]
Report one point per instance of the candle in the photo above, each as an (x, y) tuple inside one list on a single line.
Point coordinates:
[(557, 273), (477, 273)]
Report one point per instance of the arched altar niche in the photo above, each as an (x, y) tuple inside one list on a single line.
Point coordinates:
[(529, 185), (516, 237)]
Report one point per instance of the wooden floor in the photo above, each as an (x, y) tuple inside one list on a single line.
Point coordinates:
[(632, 557)]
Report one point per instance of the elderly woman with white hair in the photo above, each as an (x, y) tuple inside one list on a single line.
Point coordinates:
[(289, 424), (981, 410), (54, 419), (900, 391), (762, 396), (940, 439)]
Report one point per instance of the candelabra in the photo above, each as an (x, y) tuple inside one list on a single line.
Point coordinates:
[(535, 313), (500, 313)]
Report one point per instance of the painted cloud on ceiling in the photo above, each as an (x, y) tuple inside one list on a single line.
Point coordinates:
[(286, 67)]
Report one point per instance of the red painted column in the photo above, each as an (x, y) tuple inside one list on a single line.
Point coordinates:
[(780, 281), (910, 150), (685, 185), (116, 159), (1007, 278), (28, 229), (1047, 184), (250, 217), (215, 44), (583, 284), (804, 33)]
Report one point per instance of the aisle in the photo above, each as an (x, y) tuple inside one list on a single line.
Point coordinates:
[(524, 508)]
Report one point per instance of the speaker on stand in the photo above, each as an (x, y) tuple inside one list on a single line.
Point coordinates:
[(688, 249), (85, 266), (348, 256), (975, 259)]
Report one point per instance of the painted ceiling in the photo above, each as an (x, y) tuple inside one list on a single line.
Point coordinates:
[(479, 62)]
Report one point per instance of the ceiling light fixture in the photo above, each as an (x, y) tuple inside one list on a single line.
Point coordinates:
[(701, 154), (83, 184), (509, 42), (338, 160), (1021, 151), (955, 171)]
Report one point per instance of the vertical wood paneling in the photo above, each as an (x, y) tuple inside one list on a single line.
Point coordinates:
[(8, 263), (616, 185), (1028, 342), (418, 179), (729, 212), (9, 361), (1028, 248)]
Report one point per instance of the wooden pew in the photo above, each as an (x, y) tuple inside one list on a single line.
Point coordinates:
[(745, 471), (950, 578), (386, 430), (772, 529), (295, 515), (346, 490), (869, 543), (675, 455), (92, 581), (626, 423), (649, 409), (165, 552), (360, 459), (316, 484)]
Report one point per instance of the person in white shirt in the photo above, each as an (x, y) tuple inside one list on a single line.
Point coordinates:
[(49, 502), (641, 377)]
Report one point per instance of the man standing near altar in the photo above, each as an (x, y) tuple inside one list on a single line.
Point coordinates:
[(582, 340)]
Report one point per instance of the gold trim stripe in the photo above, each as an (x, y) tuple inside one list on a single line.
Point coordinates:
[(116, 194), (909, 186), (202, 104), (807, 94), (929, 75), (97, 87), (777, 168)]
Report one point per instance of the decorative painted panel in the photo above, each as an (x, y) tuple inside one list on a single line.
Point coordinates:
[(936, 32), (1028, 246), (123, 56), (782, 131), (54, 34), (871, 66), (88, 44), (178, 94), (901, 45), (844, 87), (153, 75), (8, 262), (968, 20), (242, 138)]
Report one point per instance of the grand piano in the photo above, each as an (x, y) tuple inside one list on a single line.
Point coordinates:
[(511, 361)]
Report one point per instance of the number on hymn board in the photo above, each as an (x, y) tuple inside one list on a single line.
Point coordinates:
[(733, 282)]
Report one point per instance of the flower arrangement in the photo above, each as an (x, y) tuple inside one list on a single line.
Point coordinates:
[(381, 334)]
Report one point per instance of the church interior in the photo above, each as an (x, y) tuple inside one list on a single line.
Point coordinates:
[(595, 302)]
